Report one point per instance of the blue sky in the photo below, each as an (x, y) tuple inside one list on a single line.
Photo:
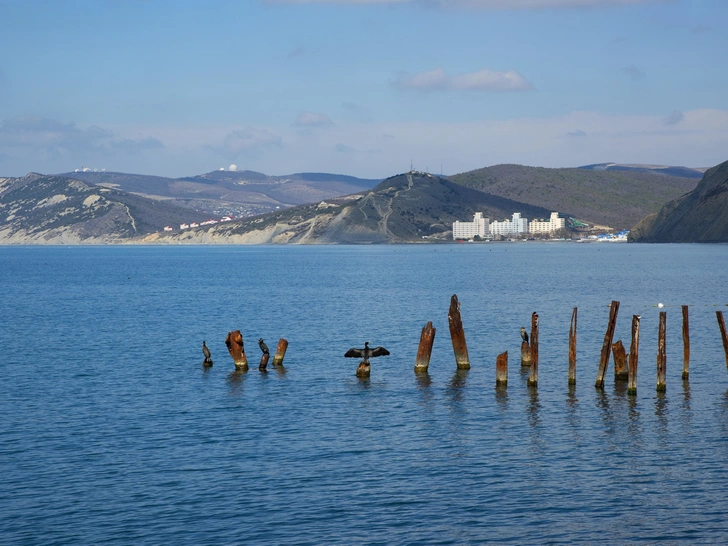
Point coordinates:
[(177, 87)]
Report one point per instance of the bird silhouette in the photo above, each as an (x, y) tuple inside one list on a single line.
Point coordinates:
[(524, 334), (263, 346), (208, 355), (365, 354)]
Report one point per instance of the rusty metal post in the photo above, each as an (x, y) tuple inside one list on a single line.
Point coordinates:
[(236, 348), (572, 348), (264, 361), (723, 334), (280, 352), (501, 369), (458, 335), (607, 345), (533, 374), (634, 354), (424, 351), (621, 370), (661, 352), (525, 354), (686, 343)]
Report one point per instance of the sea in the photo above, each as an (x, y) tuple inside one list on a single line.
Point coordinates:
[(113, 432)]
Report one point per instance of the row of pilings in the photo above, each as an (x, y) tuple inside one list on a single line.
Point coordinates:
[(625, 365)]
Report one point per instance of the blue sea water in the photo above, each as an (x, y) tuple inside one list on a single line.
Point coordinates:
[(111, 432)]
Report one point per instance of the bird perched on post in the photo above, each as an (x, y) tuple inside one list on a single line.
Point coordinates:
[(365, 354), (263, 346), (524, 334), (208, 356)]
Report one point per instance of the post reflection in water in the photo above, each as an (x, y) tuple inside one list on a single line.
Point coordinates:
[(572, 409), (686, 416), (661, 412), (423, 382), (634, 426), (235, 380), (501, 397), (280, 370), (603, 403), (455, 388)]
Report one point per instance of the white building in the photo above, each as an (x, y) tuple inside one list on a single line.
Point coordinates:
[(514, 226), (547, 226), (468, 230)]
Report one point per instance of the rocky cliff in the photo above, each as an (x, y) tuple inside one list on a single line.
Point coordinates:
[(700, 216)]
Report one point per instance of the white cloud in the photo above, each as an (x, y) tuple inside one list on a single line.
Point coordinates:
[(482, 80), (674, 118), (312, 119), (247, 141), (49, 134)]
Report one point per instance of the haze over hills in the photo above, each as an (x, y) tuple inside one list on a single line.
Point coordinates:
[(615, 198), (404, 208), (37, 209), (236, 193), (683, 172), (700, 216)]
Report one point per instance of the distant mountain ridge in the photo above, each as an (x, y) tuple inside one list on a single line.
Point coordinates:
[(614, 198), (236, 193), (684, 172), (38, 209), (700, 216), (408, 207)]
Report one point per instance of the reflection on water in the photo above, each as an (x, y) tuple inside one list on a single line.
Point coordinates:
[(605, 407), (501, 397), (534, 407), (572, 409), (235, 380), (280, 370), (633, 415), (661, 412), (456, 386), (423, 381)]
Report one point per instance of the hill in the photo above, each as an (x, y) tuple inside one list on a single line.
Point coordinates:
[(700, 216), (234, 193), (684, 172), (37, 209), (404, 208), (618, 199)]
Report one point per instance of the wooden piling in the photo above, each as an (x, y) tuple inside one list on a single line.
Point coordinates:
[(607, 345), (424, 351), (572, 348), (525, 354), (661, 353), (621, 369), (686, 343), (280, 352), (501, 369), (634, 354), (533, 374), (236, 348), (264, 361), (723, 334), (458, 335)]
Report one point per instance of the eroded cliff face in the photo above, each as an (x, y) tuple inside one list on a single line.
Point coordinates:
[(700, 216)]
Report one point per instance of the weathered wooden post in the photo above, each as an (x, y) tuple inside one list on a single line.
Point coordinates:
[(533, 374), (661, 353), (264, 361), (723, 334), (607, 345), (634, 354), (621, 370), (236, 348), (501, 370), (686, 343), (280, 352), (424, 351), (525, 354), (458, 335), (572, 348)]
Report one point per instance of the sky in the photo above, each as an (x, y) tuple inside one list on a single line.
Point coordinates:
[(366, 88)]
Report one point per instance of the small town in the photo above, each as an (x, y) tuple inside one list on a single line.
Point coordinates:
[(519, 228)]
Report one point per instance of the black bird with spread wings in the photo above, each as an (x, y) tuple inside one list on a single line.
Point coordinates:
[(365, 354)]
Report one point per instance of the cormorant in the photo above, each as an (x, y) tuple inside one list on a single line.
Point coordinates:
[(366, 353), (524, 334), (263, 346), (208, 356)]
